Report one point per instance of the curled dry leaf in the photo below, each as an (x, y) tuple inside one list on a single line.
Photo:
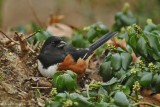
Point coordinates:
[(119, 43), (44, 83), (135, 59), (60, 30)]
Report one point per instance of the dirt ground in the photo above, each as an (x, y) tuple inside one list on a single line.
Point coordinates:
[(19, 80)]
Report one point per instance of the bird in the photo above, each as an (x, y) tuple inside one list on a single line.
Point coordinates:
[(56, 55)]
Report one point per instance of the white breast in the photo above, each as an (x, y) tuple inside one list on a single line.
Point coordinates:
[(47, 72)]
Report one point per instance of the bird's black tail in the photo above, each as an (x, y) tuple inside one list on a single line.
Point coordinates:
[(99, 42)]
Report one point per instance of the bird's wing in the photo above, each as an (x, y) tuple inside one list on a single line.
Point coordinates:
[(76, 53)]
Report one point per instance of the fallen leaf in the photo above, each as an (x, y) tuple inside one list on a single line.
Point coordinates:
[(44, 83), (60, 30)]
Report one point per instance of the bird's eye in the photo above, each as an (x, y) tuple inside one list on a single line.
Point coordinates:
[(53, 43)]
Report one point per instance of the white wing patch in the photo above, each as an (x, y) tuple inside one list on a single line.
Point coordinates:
[(47, 72)]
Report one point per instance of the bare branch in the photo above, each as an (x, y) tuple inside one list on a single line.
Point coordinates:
[(32, 34), (9, 37)]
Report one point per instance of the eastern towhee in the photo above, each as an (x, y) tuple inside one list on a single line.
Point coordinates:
[(56, 55)]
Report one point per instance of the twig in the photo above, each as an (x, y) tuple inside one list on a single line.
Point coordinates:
[(23, 43), (34, 13), (31, 49), (9, 37), (41, 87), (32, 34), (145, 103)]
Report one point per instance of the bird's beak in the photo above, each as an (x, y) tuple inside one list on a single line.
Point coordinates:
[(61, 44)]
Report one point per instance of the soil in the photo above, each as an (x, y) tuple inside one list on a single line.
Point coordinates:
[(21, 84)]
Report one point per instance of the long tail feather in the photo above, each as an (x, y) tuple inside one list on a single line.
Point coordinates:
[(99, 42)]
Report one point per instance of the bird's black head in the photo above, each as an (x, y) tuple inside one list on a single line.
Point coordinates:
[(52, 51), (53, 42)]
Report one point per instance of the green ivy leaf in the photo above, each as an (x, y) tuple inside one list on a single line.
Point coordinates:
[(110, 82), (153, 41), (65, 82), (79, 41), (102, 104), (70, 83), (59, 83), (126, 60), (92, 34), (141, 46), (42, 36), (54, 77), (133, 41), (105, 70), (72, 74), (116, 61), (80, 100), (130, 81), (54, 104), (146, 79), (126, 90), (102, 91), (121, 99)]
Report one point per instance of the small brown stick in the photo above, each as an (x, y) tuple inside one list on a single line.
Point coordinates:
[(23, 44), (32, 34), (8, 37), (41, 87), (31, 49)]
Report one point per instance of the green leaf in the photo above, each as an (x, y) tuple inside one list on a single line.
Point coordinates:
[(72, 74), (130, 81), (54, 77), (105, 70), (116, 61), (102, 91), (70, 83), (92, 34), (79, 41), (126, 90), (42, 36), (141, 46), (121, 99), (55, 104), (102, 104), (110, 82), (126, 60), (60, 97), (60, 84), (146, 79), (81, 100), (149, 27), (133, 41), (65, 83), (153, 41), (155, 77)]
